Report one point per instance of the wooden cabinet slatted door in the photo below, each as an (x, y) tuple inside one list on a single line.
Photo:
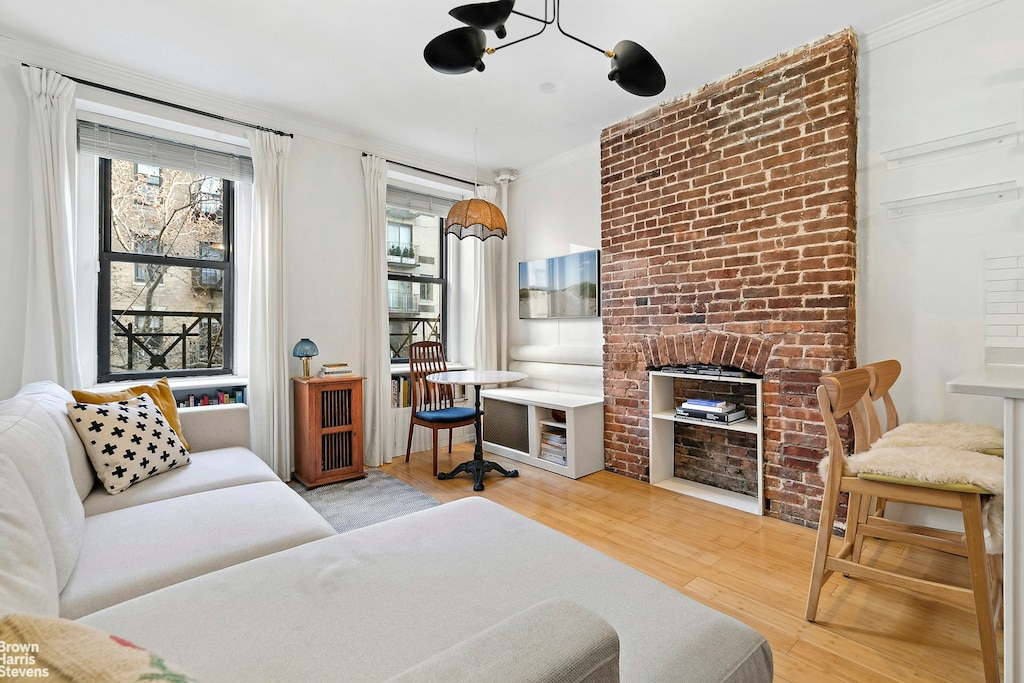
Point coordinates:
[(328, 429)]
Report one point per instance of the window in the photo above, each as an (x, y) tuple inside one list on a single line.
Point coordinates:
[(165, 272), (417, 272)]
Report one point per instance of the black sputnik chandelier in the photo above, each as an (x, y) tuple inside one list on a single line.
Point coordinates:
[(461, 50)]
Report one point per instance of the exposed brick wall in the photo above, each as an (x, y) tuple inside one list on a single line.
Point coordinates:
[(728, 235)]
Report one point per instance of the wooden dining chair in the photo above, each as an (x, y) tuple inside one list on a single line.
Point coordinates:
[(965, 436), (433, 405), (962, 435), (902, 475)]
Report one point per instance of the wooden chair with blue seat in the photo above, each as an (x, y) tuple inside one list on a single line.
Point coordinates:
[(965, 481), (433, 405)]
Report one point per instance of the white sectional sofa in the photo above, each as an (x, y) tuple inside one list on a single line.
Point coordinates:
[(222, 569)]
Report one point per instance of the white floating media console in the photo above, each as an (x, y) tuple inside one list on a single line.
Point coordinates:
[(518, 424)]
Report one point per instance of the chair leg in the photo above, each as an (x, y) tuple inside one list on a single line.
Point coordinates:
[(450, 432), (435, 452), (821, 545), (981, 583), (857, 514), (408, 445)]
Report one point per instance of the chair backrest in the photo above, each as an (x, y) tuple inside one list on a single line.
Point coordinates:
[(841, 394), (426, 358), (884, 374)]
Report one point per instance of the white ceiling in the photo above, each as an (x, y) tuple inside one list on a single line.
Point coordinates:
[(356, 66)]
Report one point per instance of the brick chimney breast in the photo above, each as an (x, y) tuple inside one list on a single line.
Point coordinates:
[(728, 236)]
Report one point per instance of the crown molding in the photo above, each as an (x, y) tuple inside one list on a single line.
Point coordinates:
[(917, 22), (589, 150), (98, 72)]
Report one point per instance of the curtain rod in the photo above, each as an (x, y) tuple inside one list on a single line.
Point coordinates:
[(165, 103), (426, 170)]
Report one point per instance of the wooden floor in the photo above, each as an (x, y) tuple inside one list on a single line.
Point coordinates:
[(754, 568)]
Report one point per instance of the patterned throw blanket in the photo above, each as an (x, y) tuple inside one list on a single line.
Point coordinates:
[(55, 649)]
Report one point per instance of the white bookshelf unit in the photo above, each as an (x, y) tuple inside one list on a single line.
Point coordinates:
[(663, 421), (518, 424)]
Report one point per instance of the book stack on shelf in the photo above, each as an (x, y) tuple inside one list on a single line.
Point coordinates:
[(213, 397), (400, 392), (334, 370), (552, 447), (711, 410)]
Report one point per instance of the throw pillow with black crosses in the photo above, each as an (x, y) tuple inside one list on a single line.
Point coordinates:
[(127, 441)]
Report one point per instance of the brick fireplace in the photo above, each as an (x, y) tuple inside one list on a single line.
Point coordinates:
[(728, 235)]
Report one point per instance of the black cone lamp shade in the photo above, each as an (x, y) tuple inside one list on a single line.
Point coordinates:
[(635, 70), (489, 16), (456, 52)]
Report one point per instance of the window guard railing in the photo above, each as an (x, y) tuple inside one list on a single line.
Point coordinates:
[(192, 342), (415, 329)]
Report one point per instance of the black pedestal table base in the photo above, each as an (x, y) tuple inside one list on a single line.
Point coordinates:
[(478, 468)]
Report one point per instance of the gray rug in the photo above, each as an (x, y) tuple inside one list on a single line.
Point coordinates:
[(348, 505)]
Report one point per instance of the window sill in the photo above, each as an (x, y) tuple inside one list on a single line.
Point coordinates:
[(178, 383)]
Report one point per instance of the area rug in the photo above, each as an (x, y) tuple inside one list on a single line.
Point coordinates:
[(348, 505)]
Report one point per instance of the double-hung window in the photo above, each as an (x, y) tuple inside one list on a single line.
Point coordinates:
[(417, 269), (166, 272)]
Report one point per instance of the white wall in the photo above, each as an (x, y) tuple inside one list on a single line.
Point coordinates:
[(920, 280), (552, 210)]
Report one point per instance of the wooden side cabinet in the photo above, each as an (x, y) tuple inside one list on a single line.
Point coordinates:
[(328, 429)]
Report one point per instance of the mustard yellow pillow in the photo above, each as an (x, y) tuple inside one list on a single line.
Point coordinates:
[(159, 391)]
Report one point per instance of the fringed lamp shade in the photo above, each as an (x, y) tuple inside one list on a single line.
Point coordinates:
[(475, 218)]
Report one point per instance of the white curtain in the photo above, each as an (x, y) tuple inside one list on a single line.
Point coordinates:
[(376, 363), (269, 414), (51, 339), (489, 304)]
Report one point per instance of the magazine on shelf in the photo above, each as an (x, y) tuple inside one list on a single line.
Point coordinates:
[(724, 407), (712, 416)]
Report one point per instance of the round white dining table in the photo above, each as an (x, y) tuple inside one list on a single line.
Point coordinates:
[(477, 467)]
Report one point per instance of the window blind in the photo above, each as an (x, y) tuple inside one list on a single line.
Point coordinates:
[(115, 143), (416, 201)]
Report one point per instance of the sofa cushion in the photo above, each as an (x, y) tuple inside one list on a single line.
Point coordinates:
[(35, 446), (54, 399), (130, 552), (127, 441), (159, 391), (444, 574), (563, 643), (62, 650), (207, 470), (28, 578)]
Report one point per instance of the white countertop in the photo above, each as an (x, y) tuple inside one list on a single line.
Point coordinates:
[(1006, 381)]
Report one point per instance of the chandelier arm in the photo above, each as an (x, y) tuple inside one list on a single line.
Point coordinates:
[(558, 23), (492, 50)]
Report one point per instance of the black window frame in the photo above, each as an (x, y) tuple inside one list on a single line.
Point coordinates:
[(442, 280), (107, 257)]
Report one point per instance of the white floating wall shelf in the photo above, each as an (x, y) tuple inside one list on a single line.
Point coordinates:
[(958, 199), (996, 137)]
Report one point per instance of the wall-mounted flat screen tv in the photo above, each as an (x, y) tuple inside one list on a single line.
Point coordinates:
[(561, 287)]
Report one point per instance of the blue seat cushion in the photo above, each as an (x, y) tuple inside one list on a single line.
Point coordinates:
[(454, 414)]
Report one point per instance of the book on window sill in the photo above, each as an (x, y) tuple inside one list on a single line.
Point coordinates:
[(711, 416)]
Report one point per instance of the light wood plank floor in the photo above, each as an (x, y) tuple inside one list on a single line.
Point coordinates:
[(755, 568)]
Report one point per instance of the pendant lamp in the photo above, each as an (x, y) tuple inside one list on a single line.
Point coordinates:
[(475, 217), (461, 50)]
